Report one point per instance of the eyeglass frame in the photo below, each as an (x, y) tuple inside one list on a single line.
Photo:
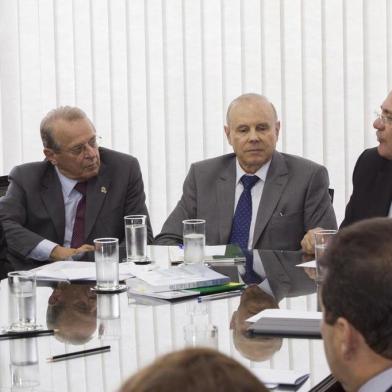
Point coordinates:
[(382, 117), (81, 148)]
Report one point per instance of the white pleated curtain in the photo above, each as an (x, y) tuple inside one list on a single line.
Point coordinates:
[(156, 77)]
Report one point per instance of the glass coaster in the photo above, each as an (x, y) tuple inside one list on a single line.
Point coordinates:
[(116, 289)]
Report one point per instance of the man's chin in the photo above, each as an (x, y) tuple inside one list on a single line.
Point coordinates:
[(90, 173)]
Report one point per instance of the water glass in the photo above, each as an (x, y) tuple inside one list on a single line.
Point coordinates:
[(22, 301), (205, 335), (194, 240), (321, 241), (106, 263), (136, 237), (24, 363)]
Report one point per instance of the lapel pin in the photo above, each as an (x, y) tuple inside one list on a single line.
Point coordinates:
[(103, 189)]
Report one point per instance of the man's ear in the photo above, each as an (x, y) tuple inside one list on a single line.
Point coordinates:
[(277, 129), (227, 132), (348, 338), (50, 156)]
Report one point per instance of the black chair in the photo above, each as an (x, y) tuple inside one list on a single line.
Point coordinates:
[(3, 247), (331, 192), (3, 185)]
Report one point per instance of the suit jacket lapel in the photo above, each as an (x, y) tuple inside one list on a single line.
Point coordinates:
[(382, 197), (52, 197), (225, 193), (276, 180), (97, 189)]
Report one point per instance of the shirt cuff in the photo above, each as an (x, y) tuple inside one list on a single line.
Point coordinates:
[(42, 251)]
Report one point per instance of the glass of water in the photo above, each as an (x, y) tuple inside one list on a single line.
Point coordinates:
[(136, 237), (321, 241), (22, 301), (194, 240), (106, 263)]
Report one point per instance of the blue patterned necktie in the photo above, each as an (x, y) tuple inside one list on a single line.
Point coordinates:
[(243, 214), (250, 276)]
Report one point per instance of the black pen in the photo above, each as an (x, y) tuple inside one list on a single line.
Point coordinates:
[(226, 294), (77, 354), (27, 334)]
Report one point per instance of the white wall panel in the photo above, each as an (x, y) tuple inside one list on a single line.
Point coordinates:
[(333, 96)]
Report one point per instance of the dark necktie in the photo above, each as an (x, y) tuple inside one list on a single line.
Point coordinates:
[(78, 229), (243, 214), (250, 276)]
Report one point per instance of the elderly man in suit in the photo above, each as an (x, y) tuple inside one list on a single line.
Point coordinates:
[(54, 209), (372, 185), (256, 197), (357, 306)]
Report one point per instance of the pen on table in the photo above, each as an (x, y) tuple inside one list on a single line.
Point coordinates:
[(211, 297), (27, 334), (77, 354)]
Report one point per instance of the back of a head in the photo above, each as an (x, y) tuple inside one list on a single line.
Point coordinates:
[(194, 370), (358, 281)]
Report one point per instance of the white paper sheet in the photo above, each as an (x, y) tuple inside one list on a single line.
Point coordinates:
[(308, 264), (284, 313), (75, 270)]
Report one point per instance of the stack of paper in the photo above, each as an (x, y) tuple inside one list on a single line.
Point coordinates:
[(185, 276), (74, 270)]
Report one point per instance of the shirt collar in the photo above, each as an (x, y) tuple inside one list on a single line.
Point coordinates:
[(261, 173), (67, 184), (381, 382)]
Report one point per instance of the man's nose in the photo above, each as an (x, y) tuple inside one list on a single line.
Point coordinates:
[(89, 151), (253, 135), (378, 123)]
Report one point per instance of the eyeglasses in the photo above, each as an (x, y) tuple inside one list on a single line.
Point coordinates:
[(81, 148), (382, 117)]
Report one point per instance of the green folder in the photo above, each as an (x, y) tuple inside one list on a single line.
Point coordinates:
[(219, 289)]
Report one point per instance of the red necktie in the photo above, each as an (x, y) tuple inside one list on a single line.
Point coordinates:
[(78, 229)]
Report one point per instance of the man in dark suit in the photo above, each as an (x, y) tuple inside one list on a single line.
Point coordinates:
[(288, 197), (54, 209), (372, 177), (357, 306)]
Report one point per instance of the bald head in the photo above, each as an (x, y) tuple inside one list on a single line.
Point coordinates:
[(250, 98)]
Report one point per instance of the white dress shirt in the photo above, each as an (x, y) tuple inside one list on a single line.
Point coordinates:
[(256, 192), (379, 383), (71, 199)]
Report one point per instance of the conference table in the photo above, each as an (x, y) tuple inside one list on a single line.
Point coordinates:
[(139, 329)]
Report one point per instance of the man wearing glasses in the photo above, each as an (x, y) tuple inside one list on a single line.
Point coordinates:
[(54, 209), (372, 177)]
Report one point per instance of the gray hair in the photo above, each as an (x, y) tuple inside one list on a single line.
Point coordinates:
[(247, 97), (66, 113)]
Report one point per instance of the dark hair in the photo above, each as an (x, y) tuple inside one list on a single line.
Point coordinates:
[(194, 370), (358, 281), (66, 113)]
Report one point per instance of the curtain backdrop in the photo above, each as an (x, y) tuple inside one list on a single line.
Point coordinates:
[(156, 77)]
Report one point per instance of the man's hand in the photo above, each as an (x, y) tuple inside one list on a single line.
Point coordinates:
[(307, 242), (62, 253)]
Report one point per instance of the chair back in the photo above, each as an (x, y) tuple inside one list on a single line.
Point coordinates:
[(3, 185)]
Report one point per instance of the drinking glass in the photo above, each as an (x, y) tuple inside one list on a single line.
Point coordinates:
[(22, 301), (194, 240), (136, 237), (106, 263), (24, 363), (205, 335), (321, 241)]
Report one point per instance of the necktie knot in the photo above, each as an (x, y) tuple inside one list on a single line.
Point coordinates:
[(249, 181), (81, 187)]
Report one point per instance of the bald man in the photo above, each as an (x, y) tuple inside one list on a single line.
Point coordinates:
[(255, 197)]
